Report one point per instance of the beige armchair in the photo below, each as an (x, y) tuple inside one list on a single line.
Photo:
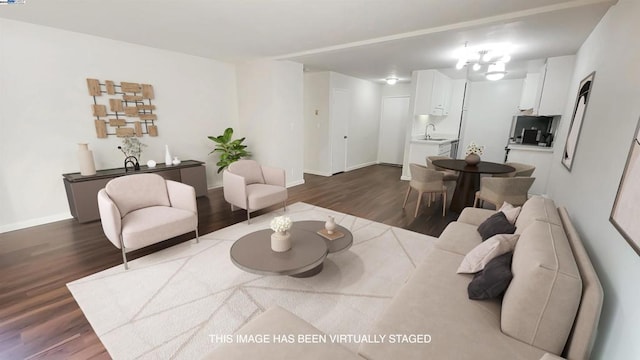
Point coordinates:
[(521, 170), (449, 175), (143, 209), (250, 186), (426, 180), (497, 190)]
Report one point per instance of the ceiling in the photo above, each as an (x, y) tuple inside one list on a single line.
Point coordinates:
[(369, 39)]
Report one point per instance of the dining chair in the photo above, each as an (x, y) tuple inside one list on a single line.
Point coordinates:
[(449, 175), (429, 181), (497, 190), (521, 170)]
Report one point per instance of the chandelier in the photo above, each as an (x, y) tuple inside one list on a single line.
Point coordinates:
[(492, 58)]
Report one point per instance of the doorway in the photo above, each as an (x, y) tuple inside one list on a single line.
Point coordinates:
[(340, 113), (393, 119)]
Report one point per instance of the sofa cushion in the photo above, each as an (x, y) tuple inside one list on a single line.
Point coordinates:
[(262, 195), (540, 304), (149, 225), (474, 216), (481, 255), (537, 208), (510, 212), (496, 224), (278, 321), (434, 302), (493, 280), (459, 238), (133, 192)]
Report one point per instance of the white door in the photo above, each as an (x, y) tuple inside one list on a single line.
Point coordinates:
[(393, 122), (340, 112)]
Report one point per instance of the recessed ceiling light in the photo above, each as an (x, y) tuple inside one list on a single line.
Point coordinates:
[(392, 81)]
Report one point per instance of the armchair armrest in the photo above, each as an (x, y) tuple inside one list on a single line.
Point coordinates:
[(182, 196), (110, 218), (274, 176), (234, 188)]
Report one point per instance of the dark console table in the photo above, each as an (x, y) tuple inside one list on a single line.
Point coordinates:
[(82, 191)]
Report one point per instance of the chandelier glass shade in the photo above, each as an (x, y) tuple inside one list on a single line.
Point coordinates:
[(491, 58)]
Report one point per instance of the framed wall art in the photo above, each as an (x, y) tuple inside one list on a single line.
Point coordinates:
[(626, 208), (579, 109)]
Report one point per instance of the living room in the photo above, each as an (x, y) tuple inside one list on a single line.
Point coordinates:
[(45, 113)]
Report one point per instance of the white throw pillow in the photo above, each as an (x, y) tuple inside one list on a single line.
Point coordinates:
[(480, 256), (510, 212)]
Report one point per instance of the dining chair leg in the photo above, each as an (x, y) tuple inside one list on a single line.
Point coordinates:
[(406, 197), (475, 201), (444, 202), (418, 203)]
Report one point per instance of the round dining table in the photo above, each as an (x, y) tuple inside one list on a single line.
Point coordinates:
[(469, 179)]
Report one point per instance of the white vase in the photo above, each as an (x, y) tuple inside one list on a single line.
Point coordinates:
[(330, 225), (176, 161), (85, 158), (167, 156), (281, 241)]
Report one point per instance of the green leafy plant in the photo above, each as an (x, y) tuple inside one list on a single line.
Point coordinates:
[(230, 150)]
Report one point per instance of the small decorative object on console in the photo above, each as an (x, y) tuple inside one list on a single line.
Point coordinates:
[(85, 157), (151, 163), (281, 238), (175, 161)]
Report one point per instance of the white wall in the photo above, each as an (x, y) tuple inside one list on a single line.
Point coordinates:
[(588, 191), (317, 142), (399, 89), (490, 109), (45, 111), (270, 109), (364, 123)]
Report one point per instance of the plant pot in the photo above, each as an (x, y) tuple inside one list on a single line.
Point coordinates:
[(472, 159), (281, 241)]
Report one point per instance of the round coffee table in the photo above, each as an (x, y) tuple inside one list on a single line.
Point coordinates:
[(252, 252)]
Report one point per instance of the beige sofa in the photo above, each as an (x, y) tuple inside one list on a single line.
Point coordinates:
[(551, 307)]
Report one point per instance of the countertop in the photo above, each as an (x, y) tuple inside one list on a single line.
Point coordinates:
[(437, 141), (530, 147)]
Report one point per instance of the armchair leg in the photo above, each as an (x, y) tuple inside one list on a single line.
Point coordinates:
[(197, 237), (444, 203), (284, 205), (124, 259), (248, 217), (475, 201)]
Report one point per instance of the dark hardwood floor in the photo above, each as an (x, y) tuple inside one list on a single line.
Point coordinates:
[(39, 319)]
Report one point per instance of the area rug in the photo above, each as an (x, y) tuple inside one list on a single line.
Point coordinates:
[(175, 303)]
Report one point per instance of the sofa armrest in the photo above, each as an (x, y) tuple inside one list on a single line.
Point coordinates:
[(110, 218), (182, 196), (475, 216), (234, 188), (274, 176), (549, 356)]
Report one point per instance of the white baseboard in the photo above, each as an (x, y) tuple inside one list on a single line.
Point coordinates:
[(360, 166), (408, 178), (34, 222), (319, 173), (295, 183)]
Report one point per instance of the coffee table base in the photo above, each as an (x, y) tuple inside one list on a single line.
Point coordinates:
[(309, 273)]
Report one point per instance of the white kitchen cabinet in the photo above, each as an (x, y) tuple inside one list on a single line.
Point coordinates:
[(432, 93), (557, 81), (529, 91), (546, 91)]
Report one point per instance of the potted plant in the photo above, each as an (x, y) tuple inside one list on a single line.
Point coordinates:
[(230, 150)]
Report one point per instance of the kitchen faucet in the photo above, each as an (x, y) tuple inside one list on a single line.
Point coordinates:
[(426, 131)]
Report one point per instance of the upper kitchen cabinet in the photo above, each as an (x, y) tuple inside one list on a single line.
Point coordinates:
[(546, 91), (555, 89), (432, 93)]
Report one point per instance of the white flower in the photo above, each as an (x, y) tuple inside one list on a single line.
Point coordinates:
[(281, 223), (472, 148)]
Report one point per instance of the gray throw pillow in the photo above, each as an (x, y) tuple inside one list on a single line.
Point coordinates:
[(494, 225), (493, 280)]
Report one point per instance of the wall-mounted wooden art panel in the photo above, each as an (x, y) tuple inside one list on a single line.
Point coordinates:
[(123, 109)]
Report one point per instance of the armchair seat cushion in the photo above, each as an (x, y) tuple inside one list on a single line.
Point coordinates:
[(262, 195), (148, 225)]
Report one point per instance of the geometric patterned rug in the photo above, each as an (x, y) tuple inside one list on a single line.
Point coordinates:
[(170, 304)]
